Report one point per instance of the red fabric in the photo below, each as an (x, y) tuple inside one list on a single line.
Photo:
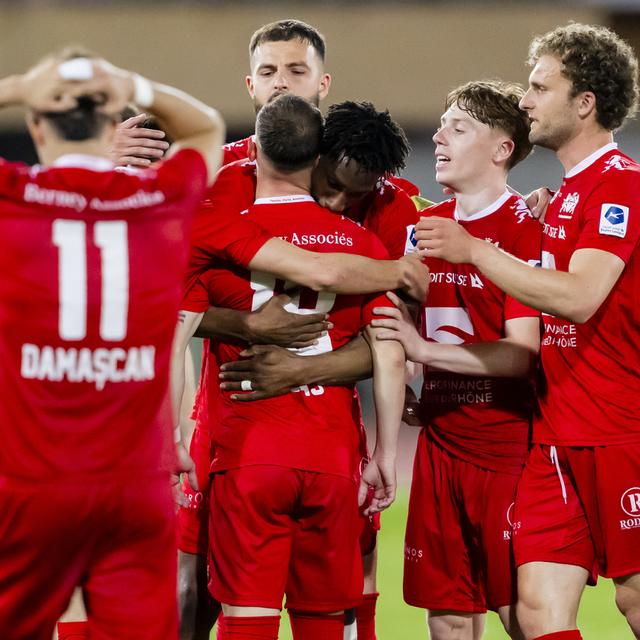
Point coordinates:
[(117, 538), (599, 526), (481, 419), (389, 212), (406, 185), (234, 151), (312, 421), (590, 389), (366, 616), (275, 530), (250, 628), (73, 630), (574, 634), (458, 540), (316, 627), (86, 397)]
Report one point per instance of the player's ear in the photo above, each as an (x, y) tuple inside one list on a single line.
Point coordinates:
[(325, 83), (586, 101), (252, 149), (249, 82), (504, 150), (35, 127)]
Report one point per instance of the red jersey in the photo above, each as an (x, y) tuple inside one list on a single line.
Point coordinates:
[(483, 420), (310, 428), (93, 261), (590, 388), (238, 150)]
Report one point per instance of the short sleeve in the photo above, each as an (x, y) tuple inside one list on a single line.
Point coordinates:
[(183, 175), (611, 216), (196, 297), (525, 243), (396, 225)]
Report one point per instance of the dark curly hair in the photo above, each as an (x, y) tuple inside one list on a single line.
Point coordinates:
[(495, 103), (355, 130), (595, 59)]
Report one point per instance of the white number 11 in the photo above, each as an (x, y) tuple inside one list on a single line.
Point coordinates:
[(70, 236)]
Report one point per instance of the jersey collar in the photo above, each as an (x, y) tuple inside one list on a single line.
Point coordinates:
[(84, 161), (284, 199), (487, 211), (589, 160)]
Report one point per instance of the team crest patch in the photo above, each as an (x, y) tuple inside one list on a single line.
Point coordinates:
[(613, 220)]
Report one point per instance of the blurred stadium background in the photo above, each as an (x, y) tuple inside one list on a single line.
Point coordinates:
[(402, 55)]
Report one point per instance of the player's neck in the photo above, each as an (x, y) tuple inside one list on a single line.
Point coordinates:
[(51, 152), (474, 199), (582, 146), (273, 184)]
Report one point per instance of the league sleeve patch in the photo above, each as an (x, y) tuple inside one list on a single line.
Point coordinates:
[(613, 220), (410, 245)]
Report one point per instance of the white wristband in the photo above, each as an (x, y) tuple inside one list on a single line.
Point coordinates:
[(142, 91), (177, 434)]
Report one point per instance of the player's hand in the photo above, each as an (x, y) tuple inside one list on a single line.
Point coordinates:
[(186, 465), (272, 324), (42, 88), (538, 201), (416, 276), (445, 238), (378, 483), (136, 146), (272, 371), (399, 325), (411, 412)]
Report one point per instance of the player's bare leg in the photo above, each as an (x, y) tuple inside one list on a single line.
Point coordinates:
[(628, 600), (510, 622), (455, 625), (548, 597), (198, 613)]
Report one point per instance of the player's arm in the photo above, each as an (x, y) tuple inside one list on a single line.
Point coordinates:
[(388, 393), (187, 424), (574, 295), (274, 370), (512, 356), (270, 324), (342, 272)]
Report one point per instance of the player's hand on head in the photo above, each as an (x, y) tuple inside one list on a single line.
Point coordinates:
[(378, 484), (398, 325), (264, 371), (273, 324), (137, 146), (184, 464), (417, 277), (538, 201), (444, 238)]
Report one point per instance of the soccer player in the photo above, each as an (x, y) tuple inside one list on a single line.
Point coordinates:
[(299, 498), (478, 346), (90, 252), (577, 504)]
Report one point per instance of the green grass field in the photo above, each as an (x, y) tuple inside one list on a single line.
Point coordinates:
[(599, 618)]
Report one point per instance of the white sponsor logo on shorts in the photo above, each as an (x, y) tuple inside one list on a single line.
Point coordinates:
[(506, 534), (630, 504), (411, 554)]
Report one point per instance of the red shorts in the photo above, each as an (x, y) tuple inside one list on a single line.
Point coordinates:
[(598, 525), (276, 531), (458, 543), (114, 538), (193, 521)]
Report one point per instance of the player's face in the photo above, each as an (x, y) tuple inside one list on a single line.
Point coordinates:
[(337, 186), (292, 66), (549, 104), (466, 150)]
